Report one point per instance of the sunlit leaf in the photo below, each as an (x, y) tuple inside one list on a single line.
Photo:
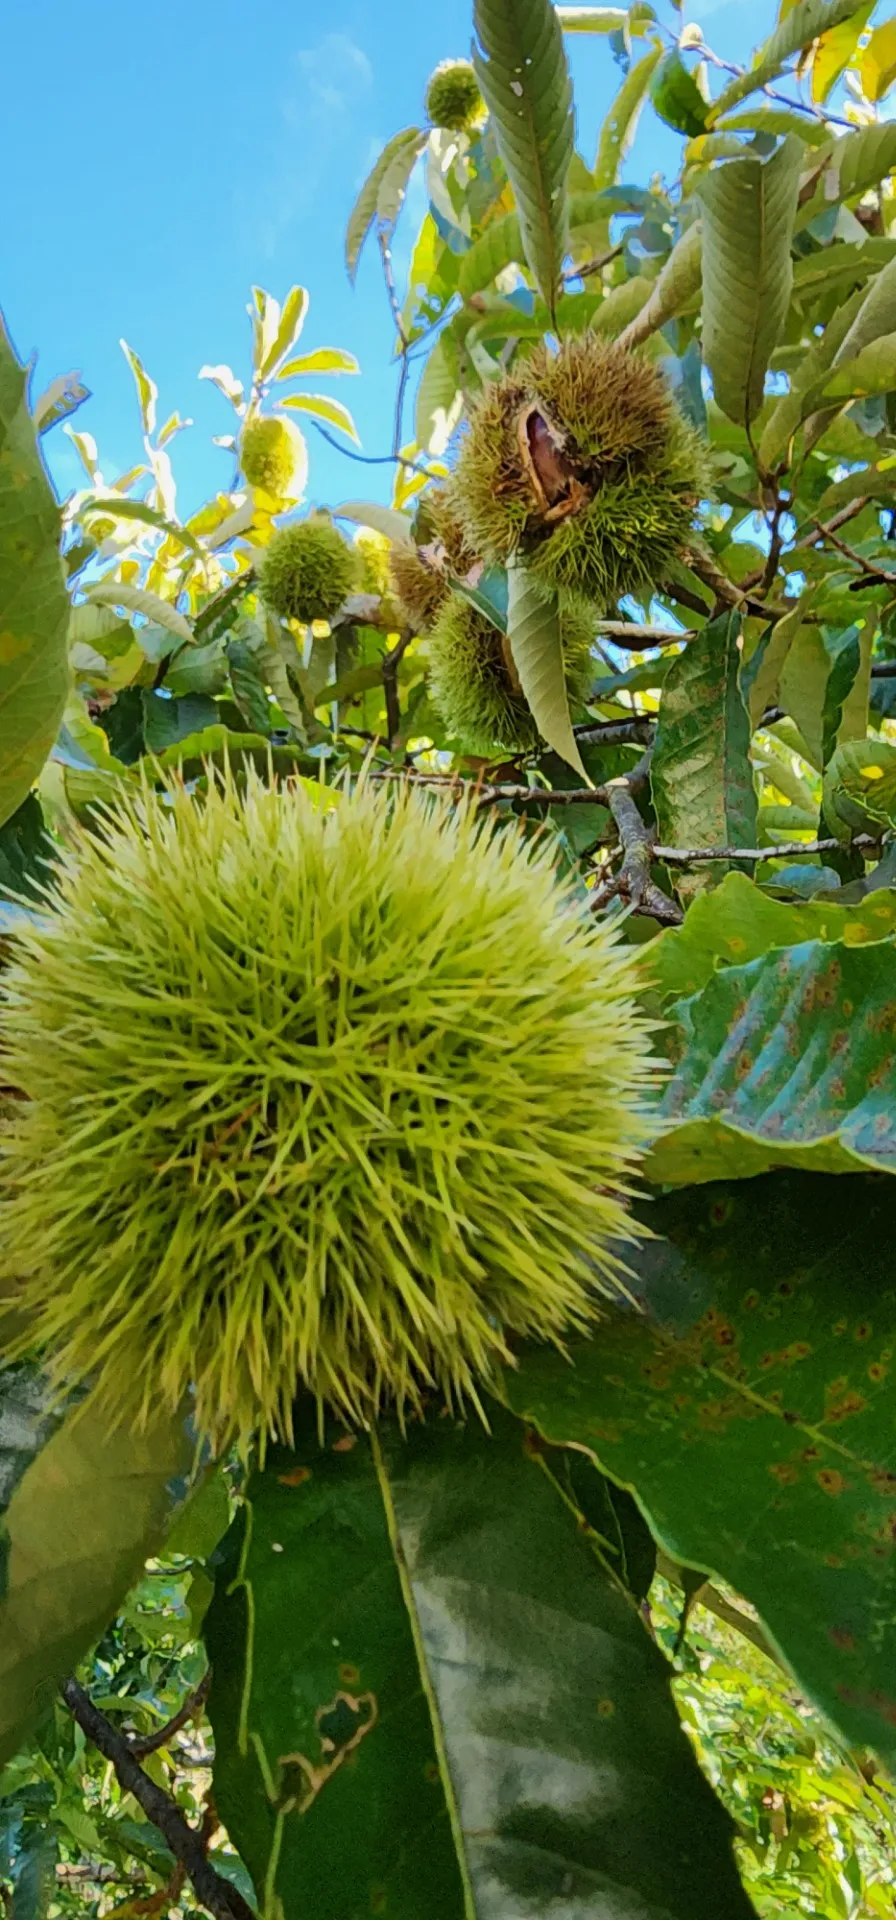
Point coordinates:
[(877, 67), (62, 397), (369, 513), (291, 322), (323, 408), (147, 391), (834, 51), (404, 146), (113, 593), (322, 360), (620, 125)]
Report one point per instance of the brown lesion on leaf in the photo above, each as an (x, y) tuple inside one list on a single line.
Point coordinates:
[(784, 1472), (342, 1723), (844, 1407)]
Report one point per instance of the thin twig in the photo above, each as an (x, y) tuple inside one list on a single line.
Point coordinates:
[(695, 856), (771, 93), (377, 459), (384, 237), (391, 663), (590, 267), (823, 531), (217, 1895), (151, 1742), (686, 598), (882, 574)]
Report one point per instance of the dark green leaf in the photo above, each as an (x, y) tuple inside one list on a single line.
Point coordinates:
[(34, 605), (34, 1880), (167, 721), (25, 850), (845, 654), (247, 683), (701, 775), (786, 1061), (524, 78), (123, 726), (310, 1641), (748, 213), (677, 97), (754, 1417), (433, 1600)]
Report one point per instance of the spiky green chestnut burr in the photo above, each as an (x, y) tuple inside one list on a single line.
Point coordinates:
[(580, 462), (453, 99), (339, 1096), (308, 570), (422, 574), (473, 683), (273, 456)]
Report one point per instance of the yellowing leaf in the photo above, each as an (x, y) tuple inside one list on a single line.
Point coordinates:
[(878, 66), (834, 51)]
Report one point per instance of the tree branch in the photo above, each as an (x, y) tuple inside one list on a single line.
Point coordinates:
[(638, 731), (633, 881), (151, 1742), (377, 459), (882, 574), (217, 1895), (596, 265), (821, 531), (391, 663), (696, 856), (384, 237)]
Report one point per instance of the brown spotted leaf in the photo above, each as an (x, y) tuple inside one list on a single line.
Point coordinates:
[(752, 1416), (788, 1061)]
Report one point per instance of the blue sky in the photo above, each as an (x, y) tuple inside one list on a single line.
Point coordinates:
[(167, 156)]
